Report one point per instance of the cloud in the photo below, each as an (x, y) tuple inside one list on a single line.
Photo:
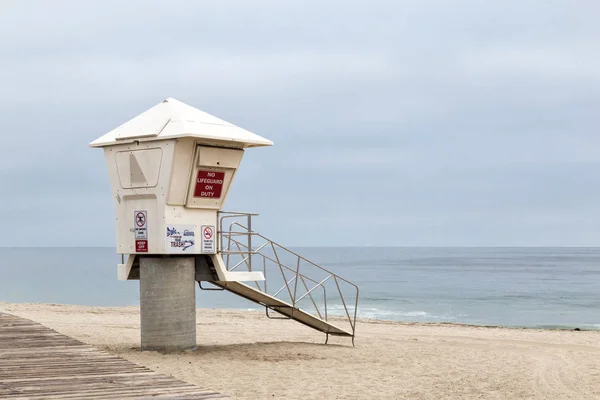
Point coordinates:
[(422, 123)]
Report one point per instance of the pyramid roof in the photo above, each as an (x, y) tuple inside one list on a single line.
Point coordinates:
[(173, 119)]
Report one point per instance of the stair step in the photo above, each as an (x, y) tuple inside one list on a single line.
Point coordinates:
[(283, 308)]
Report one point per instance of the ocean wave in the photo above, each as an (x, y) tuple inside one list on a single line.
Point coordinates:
[(395, 315), (415, 313), (374, 313), (595, 327)]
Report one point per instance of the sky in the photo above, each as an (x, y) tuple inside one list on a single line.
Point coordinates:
[(396, 123)]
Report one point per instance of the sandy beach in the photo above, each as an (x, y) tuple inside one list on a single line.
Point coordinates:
[(247, 356)]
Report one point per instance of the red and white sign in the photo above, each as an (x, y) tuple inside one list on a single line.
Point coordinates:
[(140, 224), (208, 239), (209, 184), (141, 246)]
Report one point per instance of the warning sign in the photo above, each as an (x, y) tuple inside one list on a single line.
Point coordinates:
[(180, 239), (141, 246), (140, 223), (209, 184), (208, 239)]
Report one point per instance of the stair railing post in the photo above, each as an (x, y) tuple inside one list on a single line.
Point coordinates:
[(325, 302), (265, 272), (249, 242), (219, 233), (296, 286)]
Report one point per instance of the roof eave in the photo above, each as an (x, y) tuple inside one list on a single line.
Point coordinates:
[(216, 141)]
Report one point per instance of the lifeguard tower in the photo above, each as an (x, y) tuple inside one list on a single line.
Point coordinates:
[(170, 171)]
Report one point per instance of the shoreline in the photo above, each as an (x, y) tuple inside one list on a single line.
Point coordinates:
[(260, 310), (248, 356)]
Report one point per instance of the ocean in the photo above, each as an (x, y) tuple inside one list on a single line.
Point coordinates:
[(517, 287)]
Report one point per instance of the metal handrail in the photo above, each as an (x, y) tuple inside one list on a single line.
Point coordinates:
[(287, 283), (256, 252), (277, 262), (246, 251), (230, 214)]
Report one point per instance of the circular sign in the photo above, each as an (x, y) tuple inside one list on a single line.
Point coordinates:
[(140, 219), (208, 233)]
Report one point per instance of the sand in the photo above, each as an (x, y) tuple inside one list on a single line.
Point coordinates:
[(247, 356)]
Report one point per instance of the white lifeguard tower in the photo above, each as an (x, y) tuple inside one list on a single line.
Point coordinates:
[(170, 171)]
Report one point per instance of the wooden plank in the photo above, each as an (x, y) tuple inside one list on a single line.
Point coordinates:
[(100, 359), (125, 395), (13, 362), (50, 349), (73, 379), (64, 372), (39, 363), (54, 363), (64, 392)]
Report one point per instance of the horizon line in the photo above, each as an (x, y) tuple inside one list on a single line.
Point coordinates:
[(336, 246)]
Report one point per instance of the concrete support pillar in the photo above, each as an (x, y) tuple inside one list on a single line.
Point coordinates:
[(168, 303)]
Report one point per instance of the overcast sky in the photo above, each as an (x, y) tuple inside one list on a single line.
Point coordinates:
[(395, 122)]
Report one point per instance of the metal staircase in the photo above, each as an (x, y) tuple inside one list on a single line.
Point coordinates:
[(294, 287)]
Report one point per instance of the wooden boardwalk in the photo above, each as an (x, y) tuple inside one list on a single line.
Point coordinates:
[(39, 363)]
